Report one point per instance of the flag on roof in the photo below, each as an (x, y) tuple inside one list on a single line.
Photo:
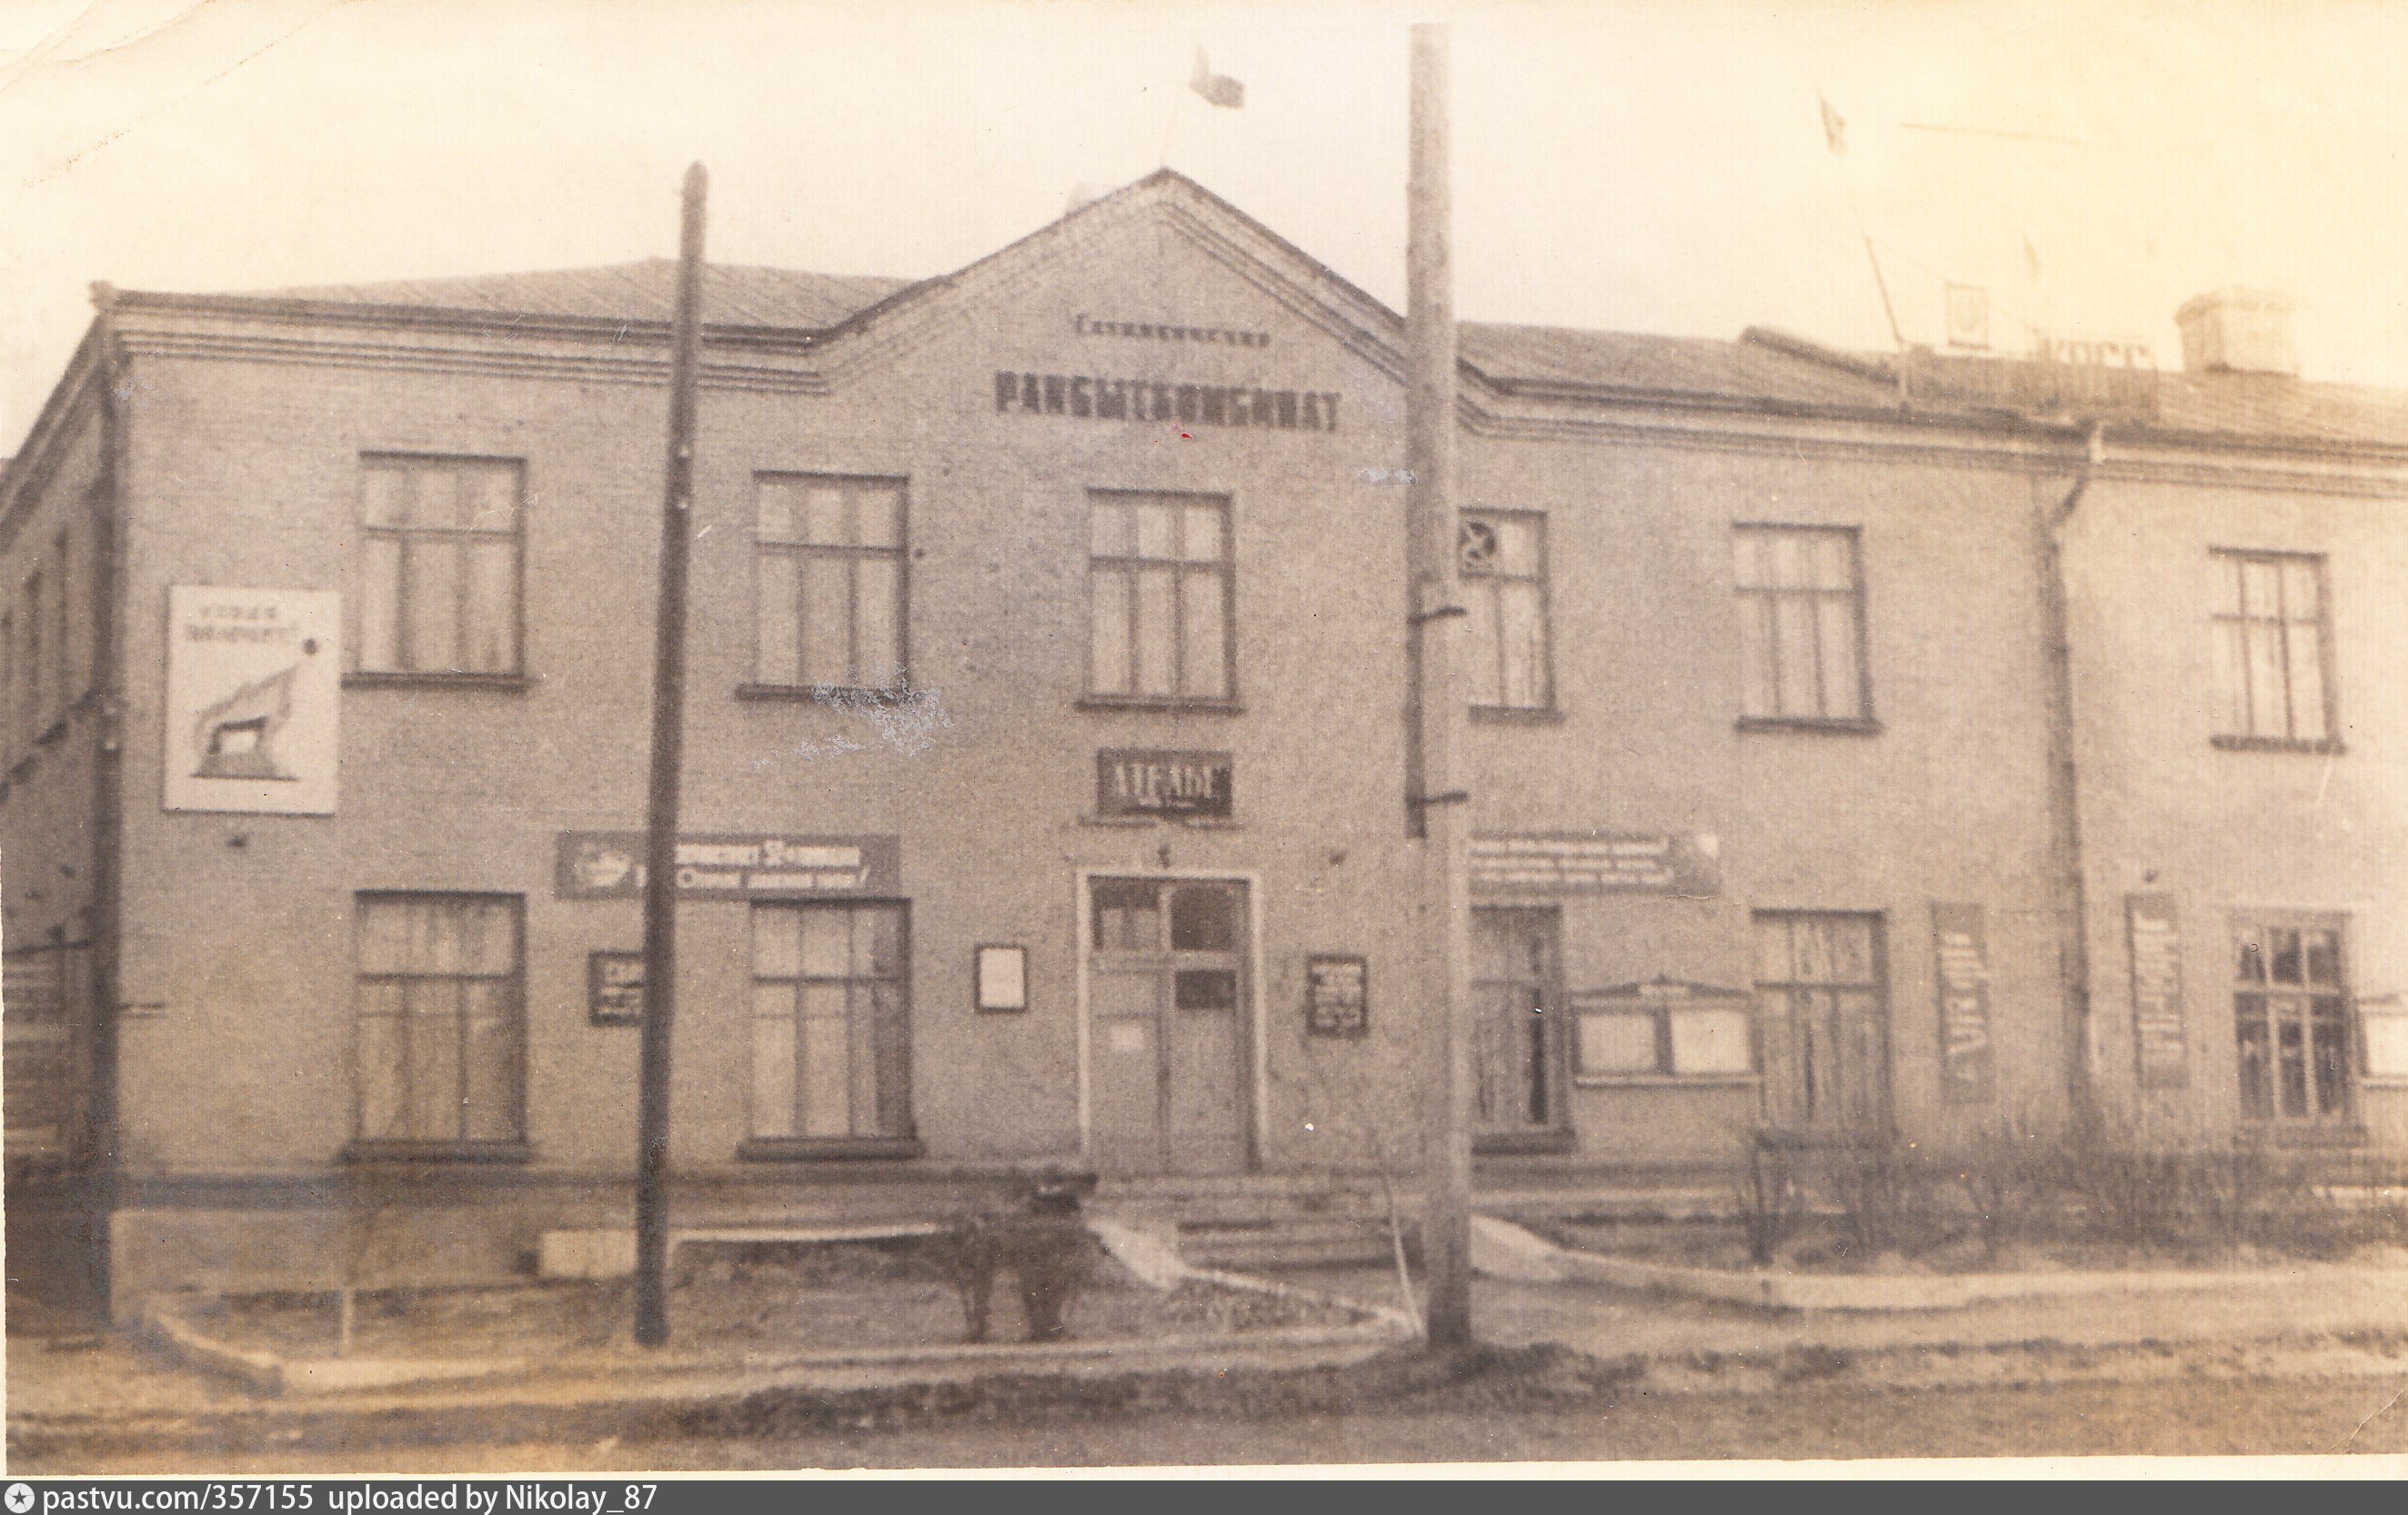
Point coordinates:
[(1835, 129), (1218, 89)]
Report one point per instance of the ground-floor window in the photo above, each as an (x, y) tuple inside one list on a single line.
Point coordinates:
[(1517, 1028), (441, 1038), (1824, 1019), (2291, 1021), (831, 1021)]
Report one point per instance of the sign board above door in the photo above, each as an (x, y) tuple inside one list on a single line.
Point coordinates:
[(1131, 781), (1594, 863)]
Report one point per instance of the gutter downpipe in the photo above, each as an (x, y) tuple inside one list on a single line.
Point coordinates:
[(2064, 795)]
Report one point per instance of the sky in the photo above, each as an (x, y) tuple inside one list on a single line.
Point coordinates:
[(1626, 164)]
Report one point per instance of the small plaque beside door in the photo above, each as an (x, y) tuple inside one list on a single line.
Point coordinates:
[(1337, 997), (614, 989)]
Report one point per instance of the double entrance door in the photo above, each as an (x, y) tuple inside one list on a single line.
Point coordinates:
[(1169, 1012)]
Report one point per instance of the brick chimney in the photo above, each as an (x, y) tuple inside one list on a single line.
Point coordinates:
[(2238, 330)]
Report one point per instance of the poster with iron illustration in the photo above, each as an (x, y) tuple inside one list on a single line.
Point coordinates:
[(253, 677)]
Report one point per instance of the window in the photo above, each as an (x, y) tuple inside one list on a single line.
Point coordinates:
[(2291, 1022), (440, 578), (441, 1038), (1665, 1030), (1824, 1020), (1504, 569), (2271, 645), (1801, 625), (830, 585), (1516, 987), (56, 680), (7, 686), (34, 662), (1159, 597), (830, 1022)]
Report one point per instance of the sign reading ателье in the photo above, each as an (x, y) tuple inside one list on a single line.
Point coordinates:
[(610, 864)]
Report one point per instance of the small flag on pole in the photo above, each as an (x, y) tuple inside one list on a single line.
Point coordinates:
[(1835, 129), (1217, 88)]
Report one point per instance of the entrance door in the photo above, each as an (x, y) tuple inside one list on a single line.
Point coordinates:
[(1517, 1016), (1168, 1019)]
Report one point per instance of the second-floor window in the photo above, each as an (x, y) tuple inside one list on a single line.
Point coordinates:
[(2272, 644), (1801, 624), (1504, 569), (439, 566), (830, 561), (1158, 594), (36, 664)]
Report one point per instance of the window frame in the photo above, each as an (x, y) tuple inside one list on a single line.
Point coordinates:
[(851, 554), (512, 1147), (1129, 565), (9, 725), (61, 682), (1864, 722), (357, 672), (2239, 558), (2348, 1120), (1546, 707), (32, 697), (1784, 991), (1555, 1133), (901, 1143)]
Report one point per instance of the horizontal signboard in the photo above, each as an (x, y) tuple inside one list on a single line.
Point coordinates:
[(610, 864), (1134, 782), (1605, 862)]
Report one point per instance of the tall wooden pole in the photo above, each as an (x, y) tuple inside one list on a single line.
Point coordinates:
[(669, 746), (1440, 802)]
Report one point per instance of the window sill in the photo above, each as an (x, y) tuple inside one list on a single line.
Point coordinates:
[(825, 695), (1665, 1081), (1805, 725), (825, 1149), (1130, 822), (2274, 744), (1164, 707), (1503, 1142), (1515, 715), (361, 1153), (514, 683)]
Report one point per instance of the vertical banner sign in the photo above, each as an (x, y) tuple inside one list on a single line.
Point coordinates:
[(254, 682), (1962, 952), (2160, 1057)]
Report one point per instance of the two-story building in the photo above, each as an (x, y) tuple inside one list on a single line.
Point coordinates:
[(1857, 744)]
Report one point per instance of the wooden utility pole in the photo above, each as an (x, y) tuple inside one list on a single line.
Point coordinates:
[(1439, 803), (669, 748)]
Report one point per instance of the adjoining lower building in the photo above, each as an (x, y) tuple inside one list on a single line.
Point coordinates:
[(1917, 744)]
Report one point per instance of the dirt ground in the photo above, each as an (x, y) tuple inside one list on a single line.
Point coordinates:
[(2290, 1418)]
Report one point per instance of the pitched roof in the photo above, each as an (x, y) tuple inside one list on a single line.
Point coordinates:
[(732, 294), (1681, 366), (1760, 369)]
